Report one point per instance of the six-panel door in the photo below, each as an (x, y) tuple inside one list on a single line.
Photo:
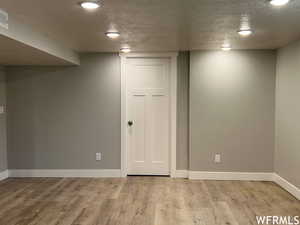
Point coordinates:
[(148, 109)]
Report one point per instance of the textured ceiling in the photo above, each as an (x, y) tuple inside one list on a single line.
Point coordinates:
[(161, 25)]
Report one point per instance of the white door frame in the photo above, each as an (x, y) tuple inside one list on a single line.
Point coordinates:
[(173, 106)]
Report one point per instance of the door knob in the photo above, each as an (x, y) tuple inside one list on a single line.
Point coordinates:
[(130, 123)]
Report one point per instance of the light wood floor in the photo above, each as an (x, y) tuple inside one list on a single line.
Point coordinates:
[(140, 201)]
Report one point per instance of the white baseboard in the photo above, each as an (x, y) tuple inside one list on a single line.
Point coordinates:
[(181, 174), (287, 186), (194, 175), (3, 175), (65, 173), (204, 175)]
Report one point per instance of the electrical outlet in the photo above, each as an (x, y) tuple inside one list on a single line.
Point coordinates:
[(98, 156), (1, 109), (3, 19), (217, 158)]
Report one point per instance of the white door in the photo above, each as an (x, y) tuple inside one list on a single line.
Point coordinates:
[(148, 107)]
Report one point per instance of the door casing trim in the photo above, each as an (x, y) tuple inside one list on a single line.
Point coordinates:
[(173, 106)]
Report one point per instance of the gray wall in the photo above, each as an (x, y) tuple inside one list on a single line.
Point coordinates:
[(3, 152), (59, 117), (232, 109), (287, 151), (183, 111)]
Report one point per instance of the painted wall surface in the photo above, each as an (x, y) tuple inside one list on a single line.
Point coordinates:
[(59, 117), (183, 111), (232, 110), (287, 150), (3, 149), (24, 34)]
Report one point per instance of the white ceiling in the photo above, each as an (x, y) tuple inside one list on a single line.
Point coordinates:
[(160, 25)]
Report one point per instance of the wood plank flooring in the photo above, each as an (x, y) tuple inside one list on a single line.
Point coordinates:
[(140, 201)]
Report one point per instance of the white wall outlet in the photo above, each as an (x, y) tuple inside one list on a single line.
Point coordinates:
[(217, 158), (1, 109), (98, 156), (3, 19)]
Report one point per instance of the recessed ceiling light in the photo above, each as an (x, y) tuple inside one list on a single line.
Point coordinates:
[(112, 34), (226, 48), (245, 32), (90, 4), (125, 50), (278, 2)]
